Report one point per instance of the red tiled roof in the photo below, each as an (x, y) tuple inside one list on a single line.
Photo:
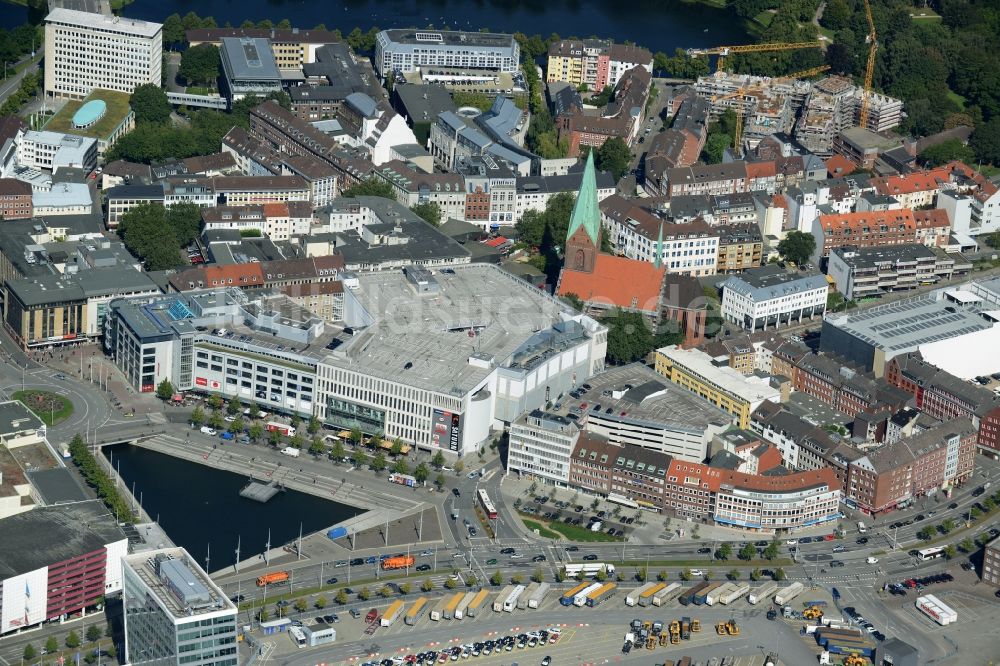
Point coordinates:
[(616, 281), (766, 169), (936, 217), (716, 477), (838, 165), (921, 181), (496, 242), (871, 219), (275, 210)]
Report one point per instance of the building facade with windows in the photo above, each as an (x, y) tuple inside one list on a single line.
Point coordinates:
[(771, 296), (84, 51), (541, 444), (408, 50)]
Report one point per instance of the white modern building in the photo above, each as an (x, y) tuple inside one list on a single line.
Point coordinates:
[(84, 51), (541, 444), (54, 150), (408, 50), (174, 614), (57, 560), (771, 296)]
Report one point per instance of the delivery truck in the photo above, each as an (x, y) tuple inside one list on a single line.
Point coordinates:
[(667, 594), (736, 592), (463, 605), (291, 451), (632, 598), (478, 603), (581, 598), (567, 598), (438, 611), (449, 608), (589, 569), (502, 597), (788, 593), (272, 578), (762, 592), (413, 615), (702, 596), (936, 610), (511, 602), (392, 613), (403, 480), (402, 562), (601, 594)]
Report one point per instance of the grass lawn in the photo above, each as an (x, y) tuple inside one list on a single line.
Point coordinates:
[(542, 530), (199, 90), (764, 18), (924, 13), (47, 406), (117, 109)]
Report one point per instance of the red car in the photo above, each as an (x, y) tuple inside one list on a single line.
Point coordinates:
[(828, 537), (372, 615)]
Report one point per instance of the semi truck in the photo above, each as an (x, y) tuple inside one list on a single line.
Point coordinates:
[(787, 594), (844, 641), (272, 578), (536, 598), (581, 598), (712, 596), (589, 569), (403, 480), (632, 598), (687, 597), (701, 597), (936, 610), (438, 611), (646, 598), (762, 592), (413, 615), (737, 591), (567, 598), (477, 603), (511, 602), (600, 594), (502, 597), (449, 608), (463, 605), (667, 594), (522, 601), (401, 562), (392, 613)]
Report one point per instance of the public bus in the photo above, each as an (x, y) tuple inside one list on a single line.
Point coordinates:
[(488, 508), (930, 553)]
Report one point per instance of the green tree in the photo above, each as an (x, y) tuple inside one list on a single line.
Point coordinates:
[(734, 574), (536, 575), (341, 597), (397, 447), (29, 652), (724, 552), (255, 432), (200, 64), (748, 552), (356, 435), (385, 591), (942, 153), (197, 417), (439, 480), (236, 425), (173, 30), (73, 640), (51, 645), (771, 552), (985, 141), (401, 467), (145, 233), (450, 583), (185, 220), (337, 451), (459, 467), (836, 15), (301, 605), (615, 156), (438, 459), (496, 578), (967, 545), (429, 212), (263, 615), (421, 472), (797, 246), (320, 602), (149, 102), (378, 462), (234, 407), (359, 458), (947, 526), (364, 594), (686, 575), (779, 574), (926, 533), (373, 187), (426, 585), (314, 425), (254, 413), (404, 588), (274, 438), (950, 551), (516, 579), (755, 575), (216, 420), (630, 338)]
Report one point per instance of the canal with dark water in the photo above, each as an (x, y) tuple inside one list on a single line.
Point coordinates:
[(659, 25), (200, 507)]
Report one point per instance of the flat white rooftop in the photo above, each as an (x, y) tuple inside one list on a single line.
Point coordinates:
[(117, 24), (752, 389), (966, 356)]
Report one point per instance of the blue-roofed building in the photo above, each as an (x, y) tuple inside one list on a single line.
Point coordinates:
[(772, 296), (248, 68)]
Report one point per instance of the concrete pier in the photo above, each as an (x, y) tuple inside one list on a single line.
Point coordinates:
[(260, 492)]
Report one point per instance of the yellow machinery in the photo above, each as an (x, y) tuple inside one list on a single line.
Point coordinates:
[(732, 628), (723, 51), (695, 624), (720, 628), (812, 613), (675, 627), (648, 625), (872, 39), (651, 642), (855, 660), (664, 640), (744, 108)]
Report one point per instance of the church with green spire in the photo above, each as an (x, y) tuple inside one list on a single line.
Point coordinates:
[(583, 238)]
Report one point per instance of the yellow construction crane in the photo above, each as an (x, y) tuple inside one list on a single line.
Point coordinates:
[(723, 51), (743, 108), (872, 39)]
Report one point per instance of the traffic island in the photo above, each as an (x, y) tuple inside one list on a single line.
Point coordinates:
[(49, 407)]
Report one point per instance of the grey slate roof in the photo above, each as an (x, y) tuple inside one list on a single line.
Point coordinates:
[(766, 283)]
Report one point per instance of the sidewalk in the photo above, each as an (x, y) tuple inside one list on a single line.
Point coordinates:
[(101, 371)]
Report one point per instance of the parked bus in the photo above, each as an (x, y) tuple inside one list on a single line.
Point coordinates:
[(488, 508), (930, 553)]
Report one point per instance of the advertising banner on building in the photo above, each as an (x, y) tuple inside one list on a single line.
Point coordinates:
[(447, 430)]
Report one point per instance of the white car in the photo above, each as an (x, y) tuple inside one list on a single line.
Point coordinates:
[(872, 560), (697, 572), (792, 542)]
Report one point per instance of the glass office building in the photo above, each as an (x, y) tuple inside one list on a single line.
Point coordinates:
[(174, 613)]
